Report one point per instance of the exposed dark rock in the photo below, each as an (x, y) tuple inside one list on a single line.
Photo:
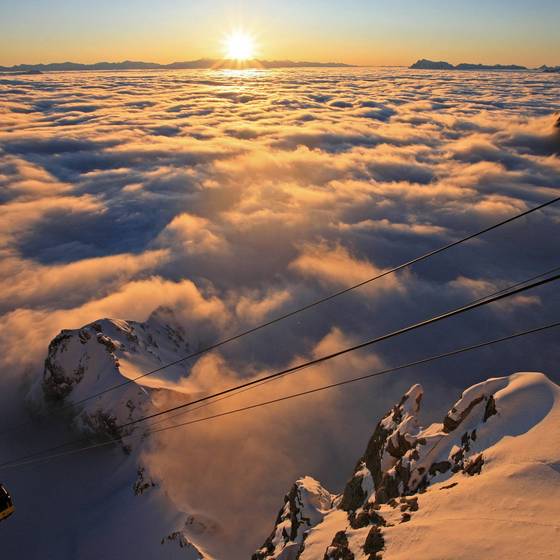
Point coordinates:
[(450, 424), (142, 484), (409, 504), (182, 541), (365, 517), (458, 457), (338, 550), (267, 548), (354, 494), (358, 519), (400, 461), (84, 336), (386, 438), (294, 510), (475, 466), (441, 467), (105, 427), (374, 544), (265, 551), (107, 342), (490, 409), (399, 447), (57, 384), (394, 484), (301, 511), (461, 462)]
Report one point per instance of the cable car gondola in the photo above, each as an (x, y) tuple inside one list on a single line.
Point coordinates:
[(6, 503)]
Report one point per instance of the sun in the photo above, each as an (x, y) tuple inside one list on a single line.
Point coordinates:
[(239, 46)]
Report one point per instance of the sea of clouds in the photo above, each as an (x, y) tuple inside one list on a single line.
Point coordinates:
[(232, 197)]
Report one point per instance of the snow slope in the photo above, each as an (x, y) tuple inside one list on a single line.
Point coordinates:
[(484, 483), (92, 509), (114, 496)]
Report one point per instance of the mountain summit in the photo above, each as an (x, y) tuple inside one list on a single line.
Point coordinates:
[(106, 354), (490, 469)]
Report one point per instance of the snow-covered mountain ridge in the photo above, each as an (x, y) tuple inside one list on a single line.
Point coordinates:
[(104, 354), (90, 361), (483, 483)]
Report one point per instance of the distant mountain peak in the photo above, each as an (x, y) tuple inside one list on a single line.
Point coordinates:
[(201, 63), (424, 64)]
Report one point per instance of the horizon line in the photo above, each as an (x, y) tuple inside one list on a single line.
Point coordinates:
[(233, 64), (184, 61)]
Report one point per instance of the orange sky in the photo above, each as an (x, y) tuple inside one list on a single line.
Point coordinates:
[(357, 31)]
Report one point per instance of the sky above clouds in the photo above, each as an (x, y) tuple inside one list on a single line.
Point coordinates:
[(235, 196), (364, 32)]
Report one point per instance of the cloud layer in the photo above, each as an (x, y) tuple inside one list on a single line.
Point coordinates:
[(235, 196)]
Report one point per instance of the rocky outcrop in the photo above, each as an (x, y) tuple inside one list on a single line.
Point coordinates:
[(374, 544), (401, 460), (339, 548), (440, 449), (392, 438), (180, 540), (143, 482), (304, 507)]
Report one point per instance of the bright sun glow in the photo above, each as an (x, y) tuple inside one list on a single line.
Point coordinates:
[(239, 46)]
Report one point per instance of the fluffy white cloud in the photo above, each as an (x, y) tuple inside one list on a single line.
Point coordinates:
[(233, 197)]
